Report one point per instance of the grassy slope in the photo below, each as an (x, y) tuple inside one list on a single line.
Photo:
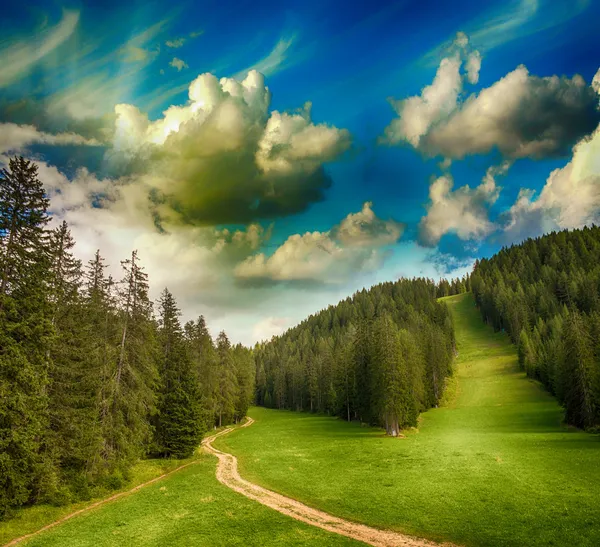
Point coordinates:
[(494, 467), (30, 519), (188, 508)]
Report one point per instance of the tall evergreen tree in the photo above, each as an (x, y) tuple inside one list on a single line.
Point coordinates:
[(26, 469), (133, 376), (179, 421), (227, 382)]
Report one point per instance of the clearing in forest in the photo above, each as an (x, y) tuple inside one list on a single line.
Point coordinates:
[(494, 467), (189, 507)]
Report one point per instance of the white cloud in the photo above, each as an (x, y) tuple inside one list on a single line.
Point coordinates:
[(273, 62), (179, 64), (223, 157), (268, 327), (596, 82), (116, 216), (569, 199), (418, 114), (473, 67), (14, 138), (291, 142), (521, 115), (175, 43), (19, 57), (332, 257), (463, 211), (365, 229)]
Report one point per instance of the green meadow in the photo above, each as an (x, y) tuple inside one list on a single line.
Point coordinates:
[(187, 508), (494, 466)]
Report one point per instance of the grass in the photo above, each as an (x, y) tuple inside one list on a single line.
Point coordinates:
[(30, 519), (188, 508), (494, 467)]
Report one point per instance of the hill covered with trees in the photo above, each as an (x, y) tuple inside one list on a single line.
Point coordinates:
[(546, 294), (91, 377), (381, 356)]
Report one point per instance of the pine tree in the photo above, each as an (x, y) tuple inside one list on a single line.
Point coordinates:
[(26, 468), (74, 377), (204, 358), (131, 397), (227, 382), (179, 421), (579, 373), (245, 372)]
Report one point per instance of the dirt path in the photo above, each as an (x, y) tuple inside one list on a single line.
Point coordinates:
[(227, 474), (96, 504)]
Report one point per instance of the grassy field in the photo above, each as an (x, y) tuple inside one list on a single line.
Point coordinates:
[(188, 508), (494, 467)]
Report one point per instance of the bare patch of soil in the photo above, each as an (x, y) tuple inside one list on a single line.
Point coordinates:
[(227, 474)]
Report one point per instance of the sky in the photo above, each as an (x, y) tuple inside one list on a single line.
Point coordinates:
[(267, 159)]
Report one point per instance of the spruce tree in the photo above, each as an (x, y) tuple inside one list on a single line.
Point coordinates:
[(179, 421), (26, 467), (74, 377), (227, 382), (132, 378)]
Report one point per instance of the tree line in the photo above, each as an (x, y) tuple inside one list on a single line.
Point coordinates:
[(92, 376), (545, 293), (381, 356)]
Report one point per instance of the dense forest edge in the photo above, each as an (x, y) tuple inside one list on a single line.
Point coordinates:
[(381, 356), (92, 378), (545, 293)]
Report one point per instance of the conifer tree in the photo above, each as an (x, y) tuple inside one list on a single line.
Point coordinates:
[(132, 378), (227, 382), (26, 469), (74, 378), (179, 421)]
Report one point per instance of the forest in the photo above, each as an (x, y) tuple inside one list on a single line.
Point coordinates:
[(93, 374), (381, 356), (545, 293)]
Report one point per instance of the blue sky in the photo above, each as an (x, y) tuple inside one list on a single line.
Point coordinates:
[(267, 159)]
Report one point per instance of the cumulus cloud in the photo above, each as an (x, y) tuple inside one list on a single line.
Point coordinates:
[(417, 115), (179, 64), (116, 217), (473, 66), (175, 43), (365, 229), (351, 247), (569, 199), (224, 157), (596, 82), (521, 115), (14, 138), (464, 211)]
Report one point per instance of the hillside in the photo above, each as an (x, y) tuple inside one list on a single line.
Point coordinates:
[(494, 466), (545, 293), (381, 356)]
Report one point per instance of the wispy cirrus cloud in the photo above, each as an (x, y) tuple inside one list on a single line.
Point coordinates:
[(19, 56), (514, 20), (275, 61), (14, 138)]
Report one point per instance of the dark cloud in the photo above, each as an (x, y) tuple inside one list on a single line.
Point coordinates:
[(224, 158), (520, 115)]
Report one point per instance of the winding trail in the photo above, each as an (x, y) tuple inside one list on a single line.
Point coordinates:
[(227, 474)]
